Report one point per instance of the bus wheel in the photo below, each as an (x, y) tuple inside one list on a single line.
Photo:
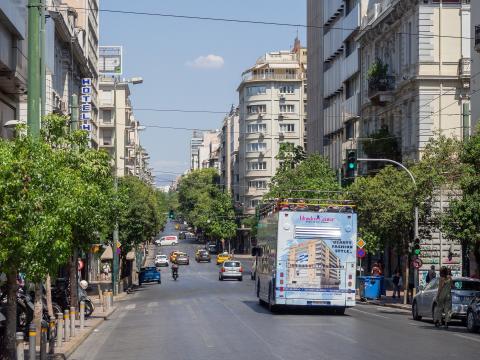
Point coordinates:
[(340, 311)]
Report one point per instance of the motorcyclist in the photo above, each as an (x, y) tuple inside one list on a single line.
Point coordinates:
[(174, 270)]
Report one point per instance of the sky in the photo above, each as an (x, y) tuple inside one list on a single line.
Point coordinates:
[(191, 64)]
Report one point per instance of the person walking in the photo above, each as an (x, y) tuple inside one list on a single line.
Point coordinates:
[(443, 309), (396, 284)]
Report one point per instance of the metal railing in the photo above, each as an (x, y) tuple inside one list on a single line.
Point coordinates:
[(377, 85), (464, 67)]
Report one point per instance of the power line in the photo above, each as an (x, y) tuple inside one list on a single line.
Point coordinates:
[(244, 21)]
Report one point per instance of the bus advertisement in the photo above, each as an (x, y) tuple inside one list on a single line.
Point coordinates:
[(307, 258)]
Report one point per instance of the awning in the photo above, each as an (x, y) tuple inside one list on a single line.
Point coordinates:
[(131, 255), (107, 254), (284, 66)]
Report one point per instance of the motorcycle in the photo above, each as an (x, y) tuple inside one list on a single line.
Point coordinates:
[(174, 274), (61, 296)]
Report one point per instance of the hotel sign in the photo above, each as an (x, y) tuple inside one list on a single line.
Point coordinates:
[(86, 104)]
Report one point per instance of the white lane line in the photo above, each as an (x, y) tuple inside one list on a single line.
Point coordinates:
[(344, 337), (367, 313), (467, 337), (130, 307), (152, 304)]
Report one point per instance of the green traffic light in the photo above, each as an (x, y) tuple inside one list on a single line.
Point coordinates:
[(417, 251), (351, 166)]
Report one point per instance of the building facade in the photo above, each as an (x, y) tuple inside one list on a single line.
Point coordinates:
[(475, 78), (415, 71), (13, 64), (334, 76), (195, 142), (209, 150), (229, 150), (272, 110)]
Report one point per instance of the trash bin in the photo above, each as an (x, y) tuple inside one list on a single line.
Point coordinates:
[(372, 287)]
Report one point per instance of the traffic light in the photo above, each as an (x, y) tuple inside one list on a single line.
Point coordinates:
[(416, 246), (171, 214), (351, 164)]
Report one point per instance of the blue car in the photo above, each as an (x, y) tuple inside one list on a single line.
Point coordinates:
[(149, 274)]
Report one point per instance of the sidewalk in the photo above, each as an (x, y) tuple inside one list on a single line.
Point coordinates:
[(388, 301)]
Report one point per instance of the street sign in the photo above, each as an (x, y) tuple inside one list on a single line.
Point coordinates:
[(417, 263), (110, 60), (361, 243), (361, 253)]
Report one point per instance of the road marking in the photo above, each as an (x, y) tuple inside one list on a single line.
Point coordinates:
[(367, 313), (467, 337), (152, 304), (130, 307)]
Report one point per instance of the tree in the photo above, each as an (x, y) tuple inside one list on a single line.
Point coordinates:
[(310, 178), (461, 221)]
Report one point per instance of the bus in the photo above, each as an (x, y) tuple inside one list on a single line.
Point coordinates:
[(305, 255)]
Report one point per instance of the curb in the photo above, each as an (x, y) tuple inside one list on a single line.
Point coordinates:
[(390, 305)]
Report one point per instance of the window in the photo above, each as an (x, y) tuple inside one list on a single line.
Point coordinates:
[(257, 184), (107, 137), (287, 108), (257, 165), (349, 47), (107, 116), (254, 203), (256, 90), (350, 5), (349, 130), (287, 89), (254, 147), (256, 128), (288, 128), (349, 88), (257, 109)]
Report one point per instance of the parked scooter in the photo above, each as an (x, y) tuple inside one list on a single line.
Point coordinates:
[(61, 296)]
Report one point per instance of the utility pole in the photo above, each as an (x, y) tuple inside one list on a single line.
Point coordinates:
[(43, 75), (74, 119), (115, 229), (33, 88), (406, 280)]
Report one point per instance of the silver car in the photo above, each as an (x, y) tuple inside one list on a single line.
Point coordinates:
[(464, 291), (231, 270)]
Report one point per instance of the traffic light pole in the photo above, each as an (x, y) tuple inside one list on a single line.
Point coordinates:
[(415, 230)]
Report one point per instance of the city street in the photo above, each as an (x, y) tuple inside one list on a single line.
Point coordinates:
[(199, 317)]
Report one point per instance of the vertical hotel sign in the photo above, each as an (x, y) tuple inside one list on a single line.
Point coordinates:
[(86, 105)]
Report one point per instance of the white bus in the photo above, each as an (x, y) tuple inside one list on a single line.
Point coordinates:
[(306, 257)]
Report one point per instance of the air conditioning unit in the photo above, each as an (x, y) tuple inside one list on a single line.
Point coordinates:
[(281, 134), (260, 116), (282, 96), (261, 154)]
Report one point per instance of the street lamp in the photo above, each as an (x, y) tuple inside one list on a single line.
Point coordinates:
[(134, 81)]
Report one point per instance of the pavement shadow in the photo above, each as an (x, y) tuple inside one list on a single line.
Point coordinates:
[(291, 310)]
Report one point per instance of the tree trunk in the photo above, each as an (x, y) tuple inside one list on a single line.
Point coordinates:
[(72, 268), (48, 289), (11, 315), (38, 309)]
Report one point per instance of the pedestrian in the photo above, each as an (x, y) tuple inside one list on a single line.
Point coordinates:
[(444, 298), (376, 271), (432, 274), (396, 283)]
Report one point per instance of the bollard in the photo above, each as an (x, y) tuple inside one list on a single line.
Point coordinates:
[(82, 315), (51, 336), (66, 326), (20, 346), (32, 346), (111, 300), (43, 342), (59, 330), (73, 321), (105, 301)]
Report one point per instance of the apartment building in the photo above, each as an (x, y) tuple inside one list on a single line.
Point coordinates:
[(209, 150), (195, 142), (71, 55), (13, 64), (272, 110), (334, 76), (415, 71), (475, 78), (229, 151)]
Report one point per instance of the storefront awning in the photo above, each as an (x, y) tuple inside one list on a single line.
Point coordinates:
[(131, 255), (107, 254)]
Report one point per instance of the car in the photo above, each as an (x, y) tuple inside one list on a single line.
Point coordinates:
[(202, 255), (464, 290), (221, 258), (182, 259), (149, 274), (161, 260), (231, 270), (473, 315), (173, 255), (211, 248), (167, 240)]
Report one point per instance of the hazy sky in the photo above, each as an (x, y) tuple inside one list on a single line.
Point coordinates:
[(191, 64)]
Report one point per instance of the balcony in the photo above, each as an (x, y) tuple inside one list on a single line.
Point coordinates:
[(351, 22), (351, 108), (380, 90), (477, 38), (269, 76)]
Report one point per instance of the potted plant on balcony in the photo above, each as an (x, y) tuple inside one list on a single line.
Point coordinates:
[(377, 75)]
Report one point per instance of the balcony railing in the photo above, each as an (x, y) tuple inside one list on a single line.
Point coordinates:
[(253, 77), (379, 89), (464, 67)]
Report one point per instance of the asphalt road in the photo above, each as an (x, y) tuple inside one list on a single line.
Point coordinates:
[(201, 318)]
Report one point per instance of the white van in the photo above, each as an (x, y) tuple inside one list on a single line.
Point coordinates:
[(167, 240)]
